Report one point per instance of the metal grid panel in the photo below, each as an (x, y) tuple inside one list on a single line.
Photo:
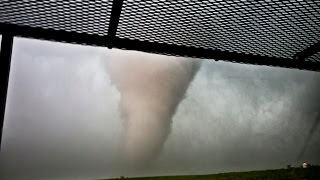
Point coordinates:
[(286, 32), (268, 28), (314, 58), (84, 16)]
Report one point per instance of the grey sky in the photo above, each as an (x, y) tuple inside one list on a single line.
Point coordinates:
[(62, 118)]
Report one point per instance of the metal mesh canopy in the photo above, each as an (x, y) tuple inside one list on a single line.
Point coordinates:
[(314, 58), (277, 33), (276, 28), (90, 17)]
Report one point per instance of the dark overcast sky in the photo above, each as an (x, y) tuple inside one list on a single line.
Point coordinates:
[(62, 117)]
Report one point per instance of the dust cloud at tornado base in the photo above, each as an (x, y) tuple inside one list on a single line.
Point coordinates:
[(63, 117)]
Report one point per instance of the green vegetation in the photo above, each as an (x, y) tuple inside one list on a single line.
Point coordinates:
[(280, 174)]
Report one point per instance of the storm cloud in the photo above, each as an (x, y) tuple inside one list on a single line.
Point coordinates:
[(63, 118)]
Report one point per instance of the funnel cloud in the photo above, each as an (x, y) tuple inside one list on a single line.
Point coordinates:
[(311, 133), (151, 88)]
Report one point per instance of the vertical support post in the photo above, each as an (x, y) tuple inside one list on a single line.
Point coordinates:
[(114, 21), (5, 62)]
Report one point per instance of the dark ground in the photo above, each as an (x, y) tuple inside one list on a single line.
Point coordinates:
[(280, 174)]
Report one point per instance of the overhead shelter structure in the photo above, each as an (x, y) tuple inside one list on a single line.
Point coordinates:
[(271, 32)]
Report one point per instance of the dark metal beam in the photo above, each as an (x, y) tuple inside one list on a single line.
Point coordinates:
[(114, 21), (53, 35), (161, 48), (5, 62), (311, 50), (153, 47)]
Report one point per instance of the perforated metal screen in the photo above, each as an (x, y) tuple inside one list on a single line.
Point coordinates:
[(273, 28), (82, 16), (271, 32), (314, 58)]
